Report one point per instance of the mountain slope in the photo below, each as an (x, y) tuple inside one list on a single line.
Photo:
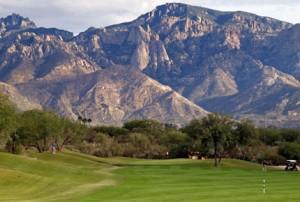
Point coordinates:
[(31, 53), (282, 51), (112, 96), (21, 102)]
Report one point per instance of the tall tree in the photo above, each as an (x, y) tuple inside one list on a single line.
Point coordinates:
[(67, 132), (37, 128), (219, 130), (8, 118), (246, 135)]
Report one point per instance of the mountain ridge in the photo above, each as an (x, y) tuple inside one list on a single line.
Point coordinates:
[(226, 62)]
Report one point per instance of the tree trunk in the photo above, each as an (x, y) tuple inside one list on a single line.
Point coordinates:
[(65, 141), (215, 154), (13, 149), (45, 146), (38, 147)]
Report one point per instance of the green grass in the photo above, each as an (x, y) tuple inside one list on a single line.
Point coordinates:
[(72, 176)]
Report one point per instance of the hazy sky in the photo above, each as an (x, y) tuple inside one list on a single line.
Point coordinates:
[(78, 15)]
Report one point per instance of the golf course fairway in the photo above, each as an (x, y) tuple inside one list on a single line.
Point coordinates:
[(70, 176)]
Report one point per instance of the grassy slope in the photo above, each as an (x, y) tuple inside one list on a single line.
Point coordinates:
[(46, 177), (76, 177)]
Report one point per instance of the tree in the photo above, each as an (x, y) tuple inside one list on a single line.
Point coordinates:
[(199, 139), (245, 135), (111, 130), (37, 128), (212, 132), (290, 150), (148, 127), (105, 146), (219, 129), (8, 118), (66, 131), (270, 136), (177, 143), (290, 135), (194, 129), (13, 144)]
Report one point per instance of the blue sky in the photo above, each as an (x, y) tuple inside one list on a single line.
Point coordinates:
[(78, 15)]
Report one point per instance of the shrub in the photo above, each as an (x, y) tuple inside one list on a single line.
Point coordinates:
[(270, 136), (111, 130), (270, 156), (290, 150)]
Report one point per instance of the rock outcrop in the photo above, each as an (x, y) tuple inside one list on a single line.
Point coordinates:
[(113, 96)]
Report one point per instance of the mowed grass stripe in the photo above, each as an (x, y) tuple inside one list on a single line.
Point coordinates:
[(192, 183), (70, 176)]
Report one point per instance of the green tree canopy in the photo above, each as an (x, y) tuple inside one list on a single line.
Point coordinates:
[(149, 127), (8, 117), (37, 128), (212, 132)]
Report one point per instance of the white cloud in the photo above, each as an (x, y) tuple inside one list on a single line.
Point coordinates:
[(78, 15)]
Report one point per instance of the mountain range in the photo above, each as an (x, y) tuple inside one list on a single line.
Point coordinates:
[(175, 63)]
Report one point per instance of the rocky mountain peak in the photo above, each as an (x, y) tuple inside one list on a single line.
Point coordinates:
[(177, 21), (177, 10), (185, 10), (171, 9), (15, 22)]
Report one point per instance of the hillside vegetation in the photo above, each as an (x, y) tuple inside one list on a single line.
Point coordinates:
[(214, 136)]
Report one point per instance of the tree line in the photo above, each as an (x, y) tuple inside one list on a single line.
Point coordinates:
[(214, 136)]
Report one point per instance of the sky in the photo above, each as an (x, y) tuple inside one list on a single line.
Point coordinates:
[(79, 15)]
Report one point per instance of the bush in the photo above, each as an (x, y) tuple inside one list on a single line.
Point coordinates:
[(13, 146), (148, 127), (176, 142), (290, 135), (270, 136), (111, 130), (290, 150), (270, 156)]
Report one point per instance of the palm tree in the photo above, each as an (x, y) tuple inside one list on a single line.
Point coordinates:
[(84, 120), (89, 121)]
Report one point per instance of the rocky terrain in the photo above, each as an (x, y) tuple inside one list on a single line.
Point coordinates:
[(167, 64), (113, 96), (21, 102)]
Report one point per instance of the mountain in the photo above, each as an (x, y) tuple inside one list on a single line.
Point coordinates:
[(21, 102), (210, 57), (13, 23), (40, 53), (282, 51), (113, 95), (234, 63)]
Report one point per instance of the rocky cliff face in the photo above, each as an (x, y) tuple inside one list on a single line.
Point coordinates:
[(235, 63), (13, 23), (40, 53), (282, 51), (113, 95), (22, 102)]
